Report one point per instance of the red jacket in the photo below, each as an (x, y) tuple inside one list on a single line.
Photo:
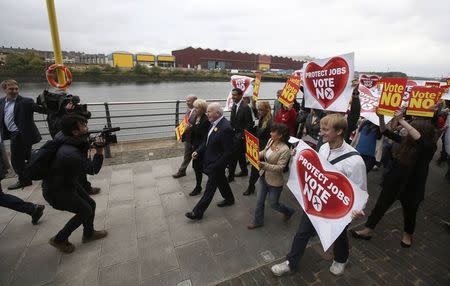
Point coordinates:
[(287, 117)]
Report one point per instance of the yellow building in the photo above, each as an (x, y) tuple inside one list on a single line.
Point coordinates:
[(122, 60), (166, 61), (146, 59)]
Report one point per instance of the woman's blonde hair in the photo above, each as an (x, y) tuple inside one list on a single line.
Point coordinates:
[(201, 105), (265, 105), (337, 121)]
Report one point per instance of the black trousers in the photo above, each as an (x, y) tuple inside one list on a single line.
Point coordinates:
[(301, 238), (238, 156), (385, 200), (369, 161), (20, 153), (85, 183), (197, 165), (15, 203), (78, 202), (215, 180)]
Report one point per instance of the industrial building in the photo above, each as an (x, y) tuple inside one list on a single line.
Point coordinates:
[(127, 60), (215, 59), (146, 59)]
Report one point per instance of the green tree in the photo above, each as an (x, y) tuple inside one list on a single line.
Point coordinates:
[(140, 69), (28, 63)]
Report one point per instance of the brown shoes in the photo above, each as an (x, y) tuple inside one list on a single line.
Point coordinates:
[(179, 175), (63, 246), (94, 191), (97, 234), (253, 226)]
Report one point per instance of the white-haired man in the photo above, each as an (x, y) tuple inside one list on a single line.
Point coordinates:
[(216, 152)]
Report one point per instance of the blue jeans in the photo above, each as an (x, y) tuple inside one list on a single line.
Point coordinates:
[(274, 196)]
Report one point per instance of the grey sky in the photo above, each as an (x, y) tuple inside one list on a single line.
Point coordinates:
[(397, 35)]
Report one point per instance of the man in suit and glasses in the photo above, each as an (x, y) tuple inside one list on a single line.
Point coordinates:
[(241, 119), (216, 151), (17, 124)]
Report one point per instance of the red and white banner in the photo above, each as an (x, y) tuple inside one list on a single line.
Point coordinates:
[(369, 81), (432, 84), (369, 99), (326, 195), (327, 83), (244, 83)]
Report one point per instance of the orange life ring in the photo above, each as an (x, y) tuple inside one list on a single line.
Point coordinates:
[(52, 82)]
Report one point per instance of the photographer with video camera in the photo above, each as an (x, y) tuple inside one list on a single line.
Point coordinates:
[(61, 187), (56, 106)]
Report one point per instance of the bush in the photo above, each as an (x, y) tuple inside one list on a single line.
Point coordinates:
[(28, 63)]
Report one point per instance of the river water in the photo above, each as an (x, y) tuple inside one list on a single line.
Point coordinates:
[(146, 119)]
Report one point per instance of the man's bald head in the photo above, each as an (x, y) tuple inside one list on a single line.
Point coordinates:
[(190, 100), (214, 111)]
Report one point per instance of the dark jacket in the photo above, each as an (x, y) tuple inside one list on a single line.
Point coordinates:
[(241, 120), (216, 153), (199, 131), (263, 134), (23, 118), (69, 164)]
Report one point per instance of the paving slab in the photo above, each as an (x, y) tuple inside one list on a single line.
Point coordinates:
[(150, 242)]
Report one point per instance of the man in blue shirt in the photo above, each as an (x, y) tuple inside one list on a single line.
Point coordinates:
[(17, 124)]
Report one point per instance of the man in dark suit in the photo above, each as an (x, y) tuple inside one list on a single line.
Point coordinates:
[(17, 125), (216, 152), (241, 119)]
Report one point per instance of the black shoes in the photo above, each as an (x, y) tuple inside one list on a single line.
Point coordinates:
[(225, 203), (179, 175), (37, 214), (193, 216), (250, 190), (196, 191), (94, 191), (19, 185), (359, 236), (287, 217), (242, 174)]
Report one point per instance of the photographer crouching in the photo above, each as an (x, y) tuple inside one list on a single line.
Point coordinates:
[(61, 187), (56, 106)]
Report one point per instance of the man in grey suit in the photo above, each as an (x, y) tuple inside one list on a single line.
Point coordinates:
[(190, 114)]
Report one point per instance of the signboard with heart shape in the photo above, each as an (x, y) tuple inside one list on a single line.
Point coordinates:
[(369, 81), (327, 83), (369, 99), (326, 195), (244, 83)]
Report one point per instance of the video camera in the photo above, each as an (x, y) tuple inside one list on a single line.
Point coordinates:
[(106, 134), (53, 102)]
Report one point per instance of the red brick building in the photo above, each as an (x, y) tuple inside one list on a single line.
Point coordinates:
[(215, 59)]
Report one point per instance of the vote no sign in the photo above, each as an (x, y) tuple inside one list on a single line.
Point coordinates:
[(326, 195), (327, 83)]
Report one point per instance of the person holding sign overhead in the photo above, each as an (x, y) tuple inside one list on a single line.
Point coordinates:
[(333, 128), (407, 175), (273, 159)]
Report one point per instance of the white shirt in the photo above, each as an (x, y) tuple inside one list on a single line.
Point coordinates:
[(352, 167), (212, 127), (238, 104)]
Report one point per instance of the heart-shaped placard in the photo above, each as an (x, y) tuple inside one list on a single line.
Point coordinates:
[(327, 83), (325, 194), (369, 81), (241, 82)]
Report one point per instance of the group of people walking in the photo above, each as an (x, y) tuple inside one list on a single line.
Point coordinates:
[(405, 147)]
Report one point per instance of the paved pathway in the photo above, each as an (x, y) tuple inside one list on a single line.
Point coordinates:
[(150, 242)]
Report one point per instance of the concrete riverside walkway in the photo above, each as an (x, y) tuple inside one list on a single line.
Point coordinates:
[(150, 242)]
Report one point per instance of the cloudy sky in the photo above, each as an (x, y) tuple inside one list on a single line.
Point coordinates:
[(386, 35)]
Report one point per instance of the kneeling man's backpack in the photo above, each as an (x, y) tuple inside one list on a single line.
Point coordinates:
[(38, 165)]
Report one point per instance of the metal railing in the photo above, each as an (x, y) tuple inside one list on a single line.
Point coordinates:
[(137, 120)]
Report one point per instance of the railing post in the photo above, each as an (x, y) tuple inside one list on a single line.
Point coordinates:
[(177, 113), (109, 125)]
